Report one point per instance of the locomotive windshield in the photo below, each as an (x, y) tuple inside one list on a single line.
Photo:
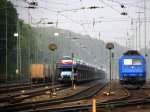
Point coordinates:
[(127, 61), (132, 61), (66, 73), (137, 61)]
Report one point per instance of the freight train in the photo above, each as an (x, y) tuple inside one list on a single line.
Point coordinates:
[(132, 69), (77, 71)]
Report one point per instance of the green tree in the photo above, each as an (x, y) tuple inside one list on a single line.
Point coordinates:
[(8, 14)]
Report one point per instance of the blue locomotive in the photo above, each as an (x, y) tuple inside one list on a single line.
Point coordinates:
[(132, 69)]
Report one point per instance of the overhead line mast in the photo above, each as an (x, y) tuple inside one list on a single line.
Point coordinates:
[(139, 30), (145, 51), (6, 46)]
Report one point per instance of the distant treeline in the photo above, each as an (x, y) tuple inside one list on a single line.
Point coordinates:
[(10, 24)]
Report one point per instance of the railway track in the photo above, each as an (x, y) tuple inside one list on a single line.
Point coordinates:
[(79, 108), (13, 85), (7, 95), (133, 95), (22, 96), (138, 94), (89, 92), (21, 87), (136, 97)]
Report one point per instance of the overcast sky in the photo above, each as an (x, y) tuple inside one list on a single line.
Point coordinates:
[(104, 22)]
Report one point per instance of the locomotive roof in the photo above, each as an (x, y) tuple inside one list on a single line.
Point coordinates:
[(131, 52)]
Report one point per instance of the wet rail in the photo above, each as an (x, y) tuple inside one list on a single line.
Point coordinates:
[(89, 92), (31, 93), (21, 87), (134, 98)]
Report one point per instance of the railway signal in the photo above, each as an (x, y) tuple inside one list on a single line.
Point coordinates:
[(53, 47), (110, 46)]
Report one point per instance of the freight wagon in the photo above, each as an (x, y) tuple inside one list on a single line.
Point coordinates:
[(40, 73), (77, 71)]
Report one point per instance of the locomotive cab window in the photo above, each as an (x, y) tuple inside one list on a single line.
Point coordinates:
[(132, 61), (127, 61), (66, 73), (137, 62)]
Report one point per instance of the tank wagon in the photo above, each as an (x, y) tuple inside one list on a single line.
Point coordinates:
[(82, 72), (132, 69)]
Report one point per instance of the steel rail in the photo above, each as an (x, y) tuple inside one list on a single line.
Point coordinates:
[(13, 85), (21, 87), (89, 92), (121, 102), (17, 98), (117, 104)]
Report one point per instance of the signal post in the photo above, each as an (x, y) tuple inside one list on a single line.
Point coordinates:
[(110, 46), (53, 47)]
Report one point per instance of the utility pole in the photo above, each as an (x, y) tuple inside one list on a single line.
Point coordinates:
[(43, 24), (126, 44), (69, 46), (32, 5), (139, 30), (145, 28), (29, 54), (36, 45), (17, 70), (139, 33), (129, 43), (20, 63), (62, 49), (132, 42), (136, 40), (18, 50), (17, 53), (6, 46), (72, 71), (132, 35), (112, 66)]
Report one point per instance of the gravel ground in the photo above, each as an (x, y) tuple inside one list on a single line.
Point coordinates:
[(117, 91)]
